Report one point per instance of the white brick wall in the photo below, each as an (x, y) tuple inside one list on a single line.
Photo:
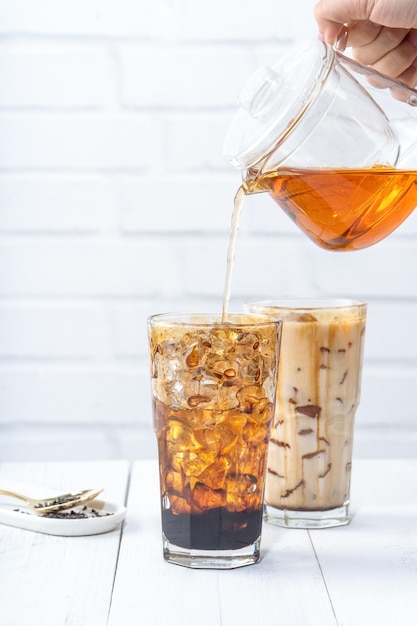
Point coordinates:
[(115, 203)]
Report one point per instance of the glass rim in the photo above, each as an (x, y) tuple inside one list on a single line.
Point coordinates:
[(208, 320), (308, 304)]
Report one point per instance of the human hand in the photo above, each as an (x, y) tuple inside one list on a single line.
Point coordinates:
[(381, 34)]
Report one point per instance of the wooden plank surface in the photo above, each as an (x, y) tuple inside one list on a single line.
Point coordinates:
[(361, 574), (286, 588), (52, 581), (370, 566)]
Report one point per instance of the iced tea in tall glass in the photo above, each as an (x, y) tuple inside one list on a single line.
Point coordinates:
[(213, 392)]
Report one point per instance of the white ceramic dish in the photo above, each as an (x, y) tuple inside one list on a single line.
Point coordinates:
[(102, 516)]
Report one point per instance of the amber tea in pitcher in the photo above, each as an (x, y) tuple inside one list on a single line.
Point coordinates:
[(342, 209), (339, 161)]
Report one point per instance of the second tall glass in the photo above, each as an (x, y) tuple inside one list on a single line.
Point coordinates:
[(319, 381)]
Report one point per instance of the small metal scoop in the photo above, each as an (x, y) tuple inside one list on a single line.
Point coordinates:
[(56, 503)]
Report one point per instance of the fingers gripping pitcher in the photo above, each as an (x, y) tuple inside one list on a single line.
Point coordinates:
[(333, 142)]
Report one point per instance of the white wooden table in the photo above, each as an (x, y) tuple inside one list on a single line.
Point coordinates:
[(358, 575)]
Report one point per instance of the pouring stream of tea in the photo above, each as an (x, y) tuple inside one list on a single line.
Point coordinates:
[(239, 197)]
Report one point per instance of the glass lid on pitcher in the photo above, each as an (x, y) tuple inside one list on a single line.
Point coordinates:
[(272, 100)]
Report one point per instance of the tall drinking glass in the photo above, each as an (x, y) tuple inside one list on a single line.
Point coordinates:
[(319, 381), (213, 391)]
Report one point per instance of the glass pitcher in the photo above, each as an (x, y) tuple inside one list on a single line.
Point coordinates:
[(332, 141)]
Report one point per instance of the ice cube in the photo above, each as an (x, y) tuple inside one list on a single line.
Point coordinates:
[(205, 498), (214, 475), (179, 505), (194, 463), (192, 357), (208, 438), (241, 490), (177, 434), (249, 339), (250, 372), (249, 395), (174, 482), (256, 433), (236, 422)]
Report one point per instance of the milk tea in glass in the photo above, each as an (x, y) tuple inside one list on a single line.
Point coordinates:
[(319, 381)]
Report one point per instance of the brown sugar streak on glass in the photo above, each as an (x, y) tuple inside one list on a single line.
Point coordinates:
[(342, 209)]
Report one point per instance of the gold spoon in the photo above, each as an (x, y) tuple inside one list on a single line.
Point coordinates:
[(56, 503)]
